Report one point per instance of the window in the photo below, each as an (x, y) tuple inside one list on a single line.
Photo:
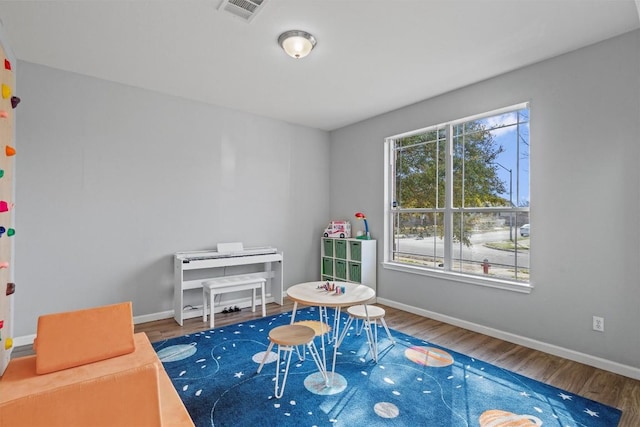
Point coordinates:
[(458, 199)]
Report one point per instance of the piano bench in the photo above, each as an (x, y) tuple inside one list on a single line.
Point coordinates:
[(220, 285)]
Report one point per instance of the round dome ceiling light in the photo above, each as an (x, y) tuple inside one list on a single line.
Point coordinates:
[(297, 44)]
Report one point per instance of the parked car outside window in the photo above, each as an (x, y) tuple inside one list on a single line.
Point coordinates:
[(524, 230)]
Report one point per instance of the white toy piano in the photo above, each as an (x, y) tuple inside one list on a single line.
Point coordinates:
[(192, 268)]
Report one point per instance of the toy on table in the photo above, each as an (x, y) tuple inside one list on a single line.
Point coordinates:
[(331, 287)]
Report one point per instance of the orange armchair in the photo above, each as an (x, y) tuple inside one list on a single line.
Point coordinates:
[(90, 369)]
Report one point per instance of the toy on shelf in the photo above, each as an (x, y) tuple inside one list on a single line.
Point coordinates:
[(341, 229), (366, 235)]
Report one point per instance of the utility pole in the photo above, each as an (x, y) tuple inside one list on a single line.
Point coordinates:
[(510, 199)]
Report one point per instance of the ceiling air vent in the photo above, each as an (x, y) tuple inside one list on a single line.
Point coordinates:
[(245, 9)]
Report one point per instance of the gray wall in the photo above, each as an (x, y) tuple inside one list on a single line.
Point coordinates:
[(585, 127), (112, 180)]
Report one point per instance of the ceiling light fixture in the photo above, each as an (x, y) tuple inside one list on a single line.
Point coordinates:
[(297, 44)]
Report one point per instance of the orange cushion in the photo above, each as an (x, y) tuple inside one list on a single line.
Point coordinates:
[(75, 338), (121, 391), (174, 413)]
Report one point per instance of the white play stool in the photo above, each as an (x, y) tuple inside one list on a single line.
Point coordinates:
[(369, 324)]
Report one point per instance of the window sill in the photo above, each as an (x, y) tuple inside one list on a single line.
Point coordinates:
[(461, 278)]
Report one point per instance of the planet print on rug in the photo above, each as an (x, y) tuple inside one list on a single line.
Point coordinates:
[(429, 356), (176, 352), (495, 418), (316, 384)]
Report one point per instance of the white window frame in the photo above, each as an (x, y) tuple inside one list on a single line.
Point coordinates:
[(448, 210)]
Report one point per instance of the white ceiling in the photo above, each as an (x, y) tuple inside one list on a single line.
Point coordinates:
[(372, 56)]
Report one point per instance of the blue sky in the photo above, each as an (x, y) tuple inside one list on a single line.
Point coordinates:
[(507, 134)]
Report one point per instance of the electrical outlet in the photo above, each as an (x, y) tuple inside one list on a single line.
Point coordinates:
[(598, 324)]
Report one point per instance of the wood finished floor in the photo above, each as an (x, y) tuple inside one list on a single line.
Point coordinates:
[(605, 387)]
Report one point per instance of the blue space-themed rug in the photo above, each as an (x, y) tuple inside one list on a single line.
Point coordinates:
[(414, 383)]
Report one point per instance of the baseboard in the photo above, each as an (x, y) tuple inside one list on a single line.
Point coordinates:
[(596, 362), (23, 340), (152, 317), (197, 310)]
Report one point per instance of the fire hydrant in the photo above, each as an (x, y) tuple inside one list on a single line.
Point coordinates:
[(485, 266)]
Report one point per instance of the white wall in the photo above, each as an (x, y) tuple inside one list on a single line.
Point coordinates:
[(585, 259), (112, 180)]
